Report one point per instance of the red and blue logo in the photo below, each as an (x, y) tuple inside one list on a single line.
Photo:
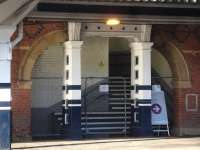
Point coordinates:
[(156, 109)]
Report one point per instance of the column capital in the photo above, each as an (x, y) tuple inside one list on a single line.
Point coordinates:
[(73, 44), (141, 45), (74, 31)]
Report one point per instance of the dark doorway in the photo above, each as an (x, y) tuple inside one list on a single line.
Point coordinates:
[(120, 64)]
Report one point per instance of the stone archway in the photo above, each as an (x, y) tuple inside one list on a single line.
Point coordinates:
[(38, 46), (178, 65)]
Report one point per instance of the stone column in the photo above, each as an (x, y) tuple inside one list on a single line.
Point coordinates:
[(72, 81), (141, 87), (5, 85)]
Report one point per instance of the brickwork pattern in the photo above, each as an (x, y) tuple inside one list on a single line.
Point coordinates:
[(21, 97), (186, 39)]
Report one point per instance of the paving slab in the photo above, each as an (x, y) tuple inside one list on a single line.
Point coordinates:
[(114, 144)]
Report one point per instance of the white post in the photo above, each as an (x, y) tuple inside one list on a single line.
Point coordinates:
[(141, 85), (5, 85), (72, 81)]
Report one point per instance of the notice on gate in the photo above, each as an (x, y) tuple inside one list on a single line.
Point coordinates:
[(104, 88), (158, 110)]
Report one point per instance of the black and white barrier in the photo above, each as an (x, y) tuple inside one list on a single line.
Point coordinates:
[(141, 88), (5, 86), (72, 82)]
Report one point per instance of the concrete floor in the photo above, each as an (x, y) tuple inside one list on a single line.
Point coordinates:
[(114, 144)]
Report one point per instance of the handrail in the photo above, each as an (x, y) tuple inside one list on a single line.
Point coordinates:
[(125, 99), (87, 92), (123, 81), (95, 99)]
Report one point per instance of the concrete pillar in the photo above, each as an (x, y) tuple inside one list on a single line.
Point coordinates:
[(72, 82), (5, 86), (141, 87)]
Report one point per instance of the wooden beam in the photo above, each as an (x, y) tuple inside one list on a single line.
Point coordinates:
[(148, 3), (20, 14), (8, 7), (101, 18)]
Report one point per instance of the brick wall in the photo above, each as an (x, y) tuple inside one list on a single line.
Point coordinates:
[(21, 96), (186, 38)]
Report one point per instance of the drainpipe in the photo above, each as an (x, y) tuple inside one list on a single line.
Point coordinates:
[(19, 37)]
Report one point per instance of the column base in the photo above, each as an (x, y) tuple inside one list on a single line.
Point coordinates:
[(73, 129), (142, 132), (5, 140), (142, 127)]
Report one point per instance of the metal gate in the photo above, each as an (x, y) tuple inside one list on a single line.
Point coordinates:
[(106, 107)]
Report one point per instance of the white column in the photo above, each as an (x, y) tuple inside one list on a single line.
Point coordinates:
[(73, 69), (5, 85), (141, 72), (141, 87), (5, 64), (72, 81)]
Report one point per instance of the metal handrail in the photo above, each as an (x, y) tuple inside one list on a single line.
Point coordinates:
[(86, 93), (125, 98)]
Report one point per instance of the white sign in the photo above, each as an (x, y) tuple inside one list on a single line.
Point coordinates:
[(104, 88), (158, 110)]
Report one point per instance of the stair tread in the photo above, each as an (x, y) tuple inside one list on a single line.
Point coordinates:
[(120, 103), (106, 132), (103, 113), (104, 128), (105, 123), (105, 117)]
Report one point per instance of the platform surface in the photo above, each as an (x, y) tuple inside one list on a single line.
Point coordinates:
[(114, 144)]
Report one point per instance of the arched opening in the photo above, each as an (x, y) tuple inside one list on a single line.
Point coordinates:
[(45, 87), (179, 69), (162, 75), (170, 70), (47, 92), (37, 48)]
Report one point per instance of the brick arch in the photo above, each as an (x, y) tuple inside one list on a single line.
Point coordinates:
[(179, 66), (38, 46)]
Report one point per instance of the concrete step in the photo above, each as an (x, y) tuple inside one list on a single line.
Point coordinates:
[(119, 103), (103, 113), (105, 128), (106, 118), (118, 99), (106, 123), (120, 108)]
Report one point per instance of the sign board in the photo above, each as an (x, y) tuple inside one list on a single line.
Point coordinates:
[(104, 88), (158, 110)]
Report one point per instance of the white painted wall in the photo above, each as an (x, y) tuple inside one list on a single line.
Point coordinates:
[(160, 64), (50, 63), (117, 44), (47, 78), (94, 57)]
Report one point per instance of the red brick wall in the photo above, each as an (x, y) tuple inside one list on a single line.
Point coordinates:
[(21, 98), (187, 40), (184, 39)]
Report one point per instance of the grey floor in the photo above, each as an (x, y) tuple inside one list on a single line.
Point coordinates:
[(114, 144)]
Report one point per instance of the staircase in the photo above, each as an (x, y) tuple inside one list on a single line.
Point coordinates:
[(119, 96), (117, 120)]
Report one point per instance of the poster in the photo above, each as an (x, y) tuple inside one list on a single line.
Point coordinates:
[(158, 110)]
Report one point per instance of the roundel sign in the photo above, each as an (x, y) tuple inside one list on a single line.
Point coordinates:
[(156, 109)]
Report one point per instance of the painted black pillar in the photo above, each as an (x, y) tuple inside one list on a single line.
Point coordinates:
[(142, 124), (5, 137), (141, 87), (5, 86), (72, 82)]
